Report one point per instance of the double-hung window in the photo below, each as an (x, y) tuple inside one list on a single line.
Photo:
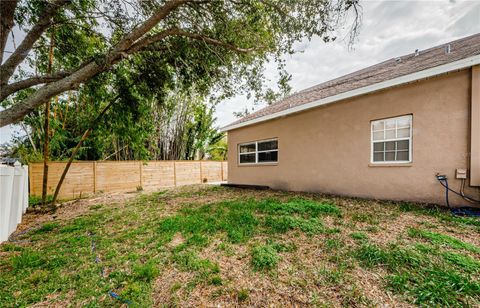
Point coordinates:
[(258, 152), (392, 140)]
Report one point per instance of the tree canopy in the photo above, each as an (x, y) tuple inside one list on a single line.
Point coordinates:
[(212, 48)]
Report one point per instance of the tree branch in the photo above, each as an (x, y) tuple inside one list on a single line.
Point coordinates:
[(92, 68), (179, 32), (216, 42), (87, 70), (140, 44), (44, 21), (14, 87), (7, 11), (138, 32)]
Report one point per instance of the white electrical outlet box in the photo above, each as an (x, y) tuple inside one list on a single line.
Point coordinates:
[(461, 174)]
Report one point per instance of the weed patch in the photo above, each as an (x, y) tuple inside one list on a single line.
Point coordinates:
[(443, 240), (47, 227), (298, 206), (27, 259), (421, 276), (359, 236), (146, 272), (333, 276), (242, 295), (264, 257)]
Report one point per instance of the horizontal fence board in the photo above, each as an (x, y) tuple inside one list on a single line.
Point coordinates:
[(88, 177), (225, 170), (187, 173), (211, 172), (78, 182), (158, 174), (119, 177)]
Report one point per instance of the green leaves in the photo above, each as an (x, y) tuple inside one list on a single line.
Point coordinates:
[(264, 257), (170, 87)]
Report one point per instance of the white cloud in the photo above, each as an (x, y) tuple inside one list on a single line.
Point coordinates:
[(390, 29)]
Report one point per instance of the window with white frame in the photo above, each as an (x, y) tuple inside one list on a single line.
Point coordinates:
[(265, 151), (392, 140)]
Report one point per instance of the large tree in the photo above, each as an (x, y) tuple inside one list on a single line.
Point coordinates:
[(214, 44)]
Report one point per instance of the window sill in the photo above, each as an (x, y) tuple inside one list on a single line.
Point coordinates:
[(391, 165), (257, 165)]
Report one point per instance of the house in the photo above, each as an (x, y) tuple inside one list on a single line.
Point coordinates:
[(383, 132)]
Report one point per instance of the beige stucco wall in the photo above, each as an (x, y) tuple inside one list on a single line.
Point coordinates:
[(327, 149)]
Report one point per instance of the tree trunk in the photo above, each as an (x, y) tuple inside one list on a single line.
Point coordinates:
[(77, 147), (47, 129), (7, 12)]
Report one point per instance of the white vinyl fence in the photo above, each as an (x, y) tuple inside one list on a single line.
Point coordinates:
[(13, 197)]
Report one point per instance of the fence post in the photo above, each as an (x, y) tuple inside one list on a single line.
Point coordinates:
[(16, 200), (26, 172), (201, 171), (141, 173), (6, 189), (94, 176), (174, 174), (30, 179), (221, 171)]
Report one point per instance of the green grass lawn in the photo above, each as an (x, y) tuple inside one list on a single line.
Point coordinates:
[(210, 246)]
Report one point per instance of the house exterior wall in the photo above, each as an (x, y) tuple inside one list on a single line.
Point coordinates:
[(327, 149)]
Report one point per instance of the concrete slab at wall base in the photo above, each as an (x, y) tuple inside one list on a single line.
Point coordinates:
[(246, 186)]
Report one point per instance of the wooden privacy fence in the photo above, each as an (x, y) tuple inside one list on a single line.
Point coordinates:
[(89, 177)]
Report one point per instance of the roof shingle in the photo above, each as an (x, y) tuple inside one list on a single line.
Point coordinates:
[(390, 69)]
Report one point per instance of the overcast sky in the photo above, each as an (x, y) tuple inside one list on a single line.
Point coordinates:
[(389, 29)]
